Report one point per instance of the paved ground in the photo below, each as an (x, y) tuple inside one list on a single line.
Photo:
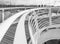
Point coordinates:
[(9, 36)]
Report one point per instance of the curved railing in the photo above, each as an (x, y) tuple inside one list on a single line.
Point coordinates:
[(6, 24), (35, 26), (42, 22)]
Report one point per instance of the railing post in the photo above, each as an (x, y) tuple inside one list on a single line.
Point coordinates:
[(50, 15), (2, 15)]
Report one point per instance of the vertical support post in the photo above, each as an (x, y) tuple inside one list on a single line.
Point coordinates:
[(2, 15), (50, 20)]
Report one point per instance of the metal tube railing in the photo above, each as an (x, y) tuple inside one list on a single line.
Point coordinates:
[(20, 28)]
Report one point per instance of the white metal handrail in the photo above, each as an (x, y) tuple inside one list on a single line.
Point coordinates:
[(20, 28), (6, 24)]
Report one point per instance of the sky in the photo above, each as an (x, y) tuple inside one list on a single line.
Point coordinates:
[(31, 2)]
